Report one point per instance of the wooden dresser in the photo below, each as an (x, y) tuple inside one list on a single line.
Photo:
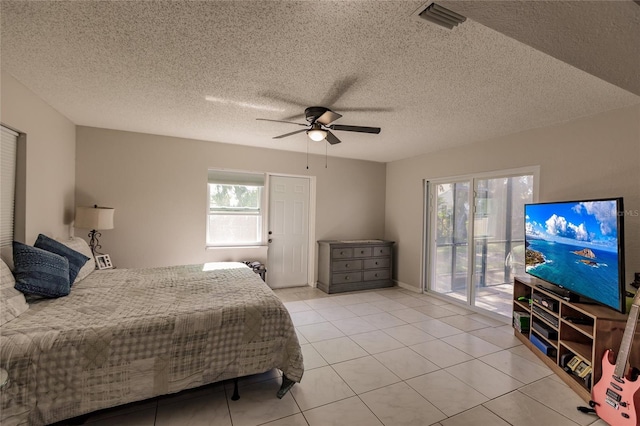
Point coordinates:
[(354, 265)]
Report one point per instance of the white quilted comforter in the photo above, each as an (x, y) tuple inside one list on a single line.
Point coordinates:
[(126, 335)]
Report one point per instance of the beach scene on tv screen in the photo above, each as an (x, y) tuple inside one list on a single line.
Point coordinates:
[(575, 245)]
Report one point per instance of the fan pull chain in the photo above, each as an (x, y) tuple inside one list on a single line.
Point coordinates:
[(307, 153), (326, 146)]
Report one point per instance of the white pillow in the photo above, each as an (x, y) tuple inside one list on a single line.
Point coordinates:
[(81, 246), (6, 254), (12, 302)]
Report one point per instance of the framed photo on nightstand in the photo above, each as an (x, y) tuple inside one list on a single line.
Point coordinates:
[(104, 261)]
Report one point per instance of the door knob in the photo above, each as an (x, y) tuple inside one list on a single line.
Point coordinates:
[(270, 232), (270, 240)]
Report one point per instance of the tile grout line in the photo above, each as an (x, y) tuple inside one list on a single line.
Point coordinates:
[(155, 414), (488, 326), (226, 398)]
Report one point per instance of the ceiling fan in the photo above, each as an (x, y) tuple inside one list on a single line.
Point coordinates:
[(319, 125)]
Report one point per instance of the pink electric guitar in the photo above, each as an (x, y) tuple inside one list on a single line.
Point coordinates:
[(616, 396)]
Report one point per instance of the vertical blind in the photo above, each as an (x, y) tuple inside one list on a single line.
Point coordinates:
[(8, 151)]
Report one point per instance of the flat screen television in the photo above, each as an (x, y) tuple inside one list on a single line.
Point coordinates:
[(578, 246)]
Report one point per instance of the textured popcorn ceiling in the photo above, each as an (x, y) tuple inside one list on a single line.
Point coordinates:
[(600, 37), (148, 66)]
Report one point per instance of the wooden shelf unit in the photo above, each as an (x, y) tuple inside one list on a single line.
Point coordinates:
[(586, 341)]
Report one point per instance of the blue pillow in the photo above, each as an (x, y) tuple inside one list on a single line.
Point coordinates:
[(76, 259), (40, 272)]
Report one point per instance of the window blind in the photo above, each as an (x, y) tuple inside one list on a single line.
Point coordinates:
[(227, 177), (8, 150)]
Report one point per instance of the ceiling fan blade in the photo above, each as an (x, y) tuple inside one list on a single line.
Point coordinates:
[(332, 139), (359, 129), (281, 121), (382, 109), (328, 117), (289, 134), (338, 89)]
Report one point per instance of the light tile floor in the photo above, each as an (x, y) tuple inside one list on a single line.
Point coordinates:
[(386, 357)]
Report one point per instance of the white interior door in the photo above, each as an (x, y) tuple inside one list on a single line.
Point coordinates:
[(288, 256)]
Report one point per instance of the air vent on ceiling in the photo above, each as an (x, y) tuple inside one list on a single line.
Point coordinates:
[(441, 16)]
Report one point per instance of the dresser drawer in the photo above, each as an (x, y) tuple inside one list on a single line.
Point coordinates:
[(382, 274), (346, 265), (346, 277), (362, 251), (352, 265), (377, 262), (382, 251), (341, 253)]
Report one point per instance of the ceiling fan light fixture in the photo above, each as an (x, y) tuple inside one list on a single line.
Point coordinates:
[(316, 134)]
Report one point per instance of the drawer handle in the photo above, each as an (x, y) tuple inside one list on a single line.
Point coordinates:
[(376, 263), (341, 252), (361, 251), (376, 275), (346, 277), (346, 265)]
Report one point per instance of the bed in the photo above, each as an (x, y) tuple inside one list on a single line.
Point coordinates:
[(126, 335)]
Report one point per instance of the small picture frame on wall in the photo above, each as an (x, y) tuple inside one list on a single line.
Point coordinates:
[(104, 261)]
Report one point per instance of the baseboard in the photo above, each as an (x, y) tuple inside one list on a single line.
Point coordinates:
[(407, 287)]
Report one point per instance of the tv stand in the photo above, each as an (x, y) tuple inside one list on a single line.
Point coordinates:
[(571, 334)]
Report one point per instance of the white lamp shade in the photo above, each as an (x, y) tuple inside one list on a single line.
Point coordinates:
[(94, 218), (317, 134)]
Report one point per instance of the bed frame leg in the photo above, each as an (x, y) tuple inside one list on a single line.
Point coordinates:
[(236, 395), (287, 384)]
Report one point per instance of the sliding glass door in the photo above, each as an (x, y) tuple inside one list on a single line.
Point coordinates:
[(498, 239), (475, 242), (451, 244)]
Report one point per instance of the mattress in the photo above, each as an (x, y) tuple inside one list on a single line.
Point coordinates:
[(125, 335)]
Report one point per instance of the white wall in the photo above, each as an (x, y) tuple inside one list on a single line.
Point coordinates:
[(50, 159), (592, 157), (157, 185)]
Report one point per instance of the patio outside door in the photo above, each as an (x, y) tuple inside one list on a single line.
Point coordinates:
[(450, 246), (476, 243)]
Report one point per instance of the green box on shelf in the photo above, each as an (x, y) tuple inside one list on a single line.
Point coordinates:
[(521, 321)]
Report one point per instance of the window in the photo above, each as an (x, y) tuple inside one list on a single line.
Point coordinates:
[(235, 208), (8, 156), (478, 236)]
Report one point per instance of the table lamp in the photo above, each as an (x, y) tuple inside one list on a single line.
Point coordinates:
[(97, 219)]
